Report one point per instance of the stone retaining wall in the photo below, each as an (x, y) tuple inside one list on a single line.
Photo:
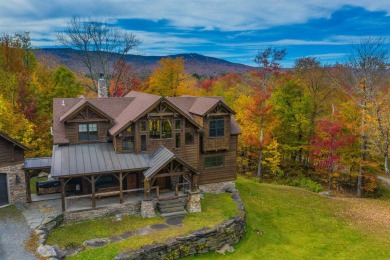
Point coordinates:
[(229, 232), (125, 209), (16, 185), (218, 187)]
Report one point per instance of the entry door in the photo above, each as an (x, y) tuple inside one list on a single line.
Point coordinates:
[(162, 182), (132, 181), (3, 189)]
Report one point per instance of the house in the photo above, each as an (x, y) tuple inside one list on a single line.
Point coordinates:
[(142, 145), (12, 177)]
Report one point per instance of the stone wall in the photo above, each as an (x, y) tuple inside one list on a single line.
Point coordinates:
[(125, 209), (16, 185), (148, 208), (219, 187), (224, 235), (193, 202)]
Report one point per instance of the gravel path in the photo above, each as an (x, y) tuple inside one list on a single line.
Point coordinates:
[(14, 230)]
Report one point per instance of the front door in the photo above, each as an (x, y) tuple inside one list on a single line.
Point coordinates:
[(3, 189), (132, 181), (163, 182)]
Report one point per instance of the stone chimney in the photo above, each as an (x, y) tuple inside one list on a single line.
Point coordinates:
[(102, 87)]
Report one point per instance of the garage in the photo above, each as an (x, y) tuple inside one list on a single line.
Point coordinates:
[(3, 189)]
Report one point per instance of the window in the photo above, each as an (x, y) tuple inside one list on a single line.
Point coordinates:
[(143, 143), (88, 132), (177, 124), (160, 128), (215, 161), (128, 144), (217, 126), (189, 138), (142, 126), (178, 140)]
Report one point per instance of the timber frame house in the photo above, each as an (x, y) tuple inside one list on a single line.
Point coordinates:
[(141, 143)]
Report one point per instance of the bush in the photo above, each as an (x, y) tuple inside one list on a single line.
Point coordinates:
[(304, 183)]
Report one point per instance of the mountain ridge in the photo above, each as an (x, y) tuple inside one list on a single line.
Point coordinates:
[(194, 63)]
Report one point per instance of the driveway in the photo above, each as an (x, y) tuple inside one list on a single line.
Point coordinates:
[(14, 231)]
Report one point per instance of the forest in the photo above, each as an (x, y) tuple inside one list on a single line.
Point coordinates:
[(315, 125)]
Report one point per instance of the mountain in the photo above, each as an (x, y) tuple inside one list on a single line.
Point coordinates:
[(194, 63)]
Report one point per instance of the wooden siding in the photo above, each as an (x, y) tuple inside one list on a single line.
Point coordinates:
[(216, 143), (191, 152), (9, 152), (219, 174)]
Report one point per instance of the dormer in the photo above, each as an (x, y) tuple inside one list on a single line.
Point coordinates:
[(215, 117), (85, 123)]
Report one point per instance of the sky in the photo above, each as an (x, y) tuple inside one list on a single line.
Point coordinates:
[(232, 30)]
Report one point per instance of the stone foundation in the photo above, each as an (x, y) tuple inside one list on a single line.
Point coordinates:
[(218, 187), (193, 204), (125, 209), (16, 183), (148, 208)]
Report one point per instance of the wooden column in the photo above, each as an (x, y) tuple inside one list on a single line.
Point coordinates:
[(120, 188), (28, 190), (147, 188), (63, 194), (195, 182), (93, 191)]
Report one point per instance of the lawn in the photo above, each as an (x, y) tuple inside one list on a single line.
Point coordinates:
[(291, 223)]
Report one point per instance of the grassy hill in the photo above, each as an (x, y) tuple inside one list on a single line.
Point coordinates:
[(292, 223)]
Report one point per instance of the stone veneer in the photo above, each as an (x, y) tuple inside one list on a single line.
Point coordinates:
[(193, 203), (100, 212), (16, 186), (218, 187), (204, 240), (148, 208)]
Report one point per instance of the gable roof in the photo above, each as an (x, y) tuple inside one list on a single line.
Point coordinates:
[(161, 157), (79, 106), (11, 140), (203, 105), (141, 103)]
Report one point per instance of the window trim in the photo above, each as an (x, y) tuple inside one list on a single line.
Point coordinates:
[(216, 165), (87, 132), (217, 128)]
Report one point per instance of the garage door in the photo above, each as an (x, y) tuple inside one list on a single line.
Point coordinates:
[(3, 189)]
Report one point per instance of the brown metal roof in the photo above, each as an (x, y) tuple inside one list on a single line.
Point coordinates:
[(10, 139), (94, 158), (202, 105)]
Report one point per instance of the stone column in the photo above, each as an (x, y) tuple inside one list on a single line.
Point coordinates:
[(193, 204), (148, 209)]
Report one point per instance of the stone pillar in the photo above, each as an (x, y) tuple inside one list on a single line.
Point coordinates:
[(193, 204), (148, 209)]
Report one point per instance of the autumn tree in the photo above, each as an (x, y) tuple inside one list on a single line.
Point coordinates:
[(124, 79), (99, 45), (170, 79), (268, 61)]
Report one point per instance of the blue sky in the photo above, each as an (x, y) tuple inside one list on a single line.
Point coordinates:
[(231, 30)]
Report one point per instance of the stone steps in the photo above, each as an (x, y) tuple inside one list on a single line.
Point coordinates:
[(171, 207)]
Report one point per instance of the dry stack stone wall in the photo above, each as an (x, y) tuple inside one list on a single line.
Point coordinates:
[(229, 232), (218, 187)]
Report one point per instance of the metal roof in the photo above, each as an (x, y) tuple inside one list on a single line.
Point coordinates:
[(37, 163), (94, 158)]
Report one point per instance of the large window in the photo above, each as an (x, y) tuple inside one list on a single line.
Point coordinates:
[(143, 143), (160, 128), (128, 144), (189, 138), (217, 126), (214, 161), (88, 132)]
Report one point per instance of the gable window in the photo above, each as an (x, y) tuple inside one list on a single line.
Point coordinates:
[(128, 144), (142, 126), (88, 132), (177, 124), (143, 143), (160, 128), (178, 140), (217, 126), (214, 161)]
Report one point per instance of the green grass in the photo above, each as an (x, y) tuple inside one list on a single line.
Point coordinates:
[(215, 209), (292, 223), (33, 182)]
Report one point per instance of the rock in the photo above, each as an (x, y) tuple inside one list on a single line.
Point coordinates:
[(231, 190), (225, 248), (97, 242), (132, 254), (326, 193), (118, 217), (46, 251), (61, 253)]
